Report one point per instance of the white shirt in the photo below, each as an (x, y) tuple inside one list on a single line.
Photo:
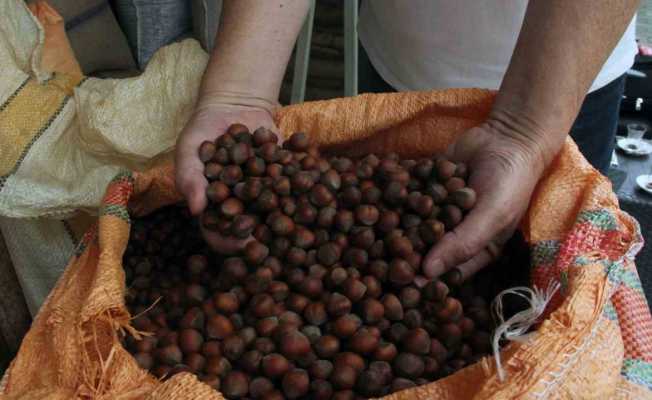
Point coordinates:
[(438, 44)]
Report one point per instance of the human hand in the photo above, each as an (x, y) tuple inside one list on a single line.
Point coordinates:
[(208, 123), (504, 170)]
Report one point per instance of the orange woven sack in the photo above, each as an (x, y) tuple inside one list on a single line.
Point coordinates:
[(594, 342)]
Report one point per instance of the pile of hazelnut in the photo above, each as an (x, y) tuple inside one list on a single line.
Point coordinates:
[(327, 300)]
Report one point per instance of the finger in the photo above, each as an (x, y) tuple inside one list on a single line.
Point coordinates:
[(469, 238), (189, 177), (224, 245), (192, 184), (475, 264)]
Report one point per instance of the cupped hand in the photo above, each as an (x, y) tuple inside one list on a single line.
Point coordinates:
[(504, 170), (208, 123)]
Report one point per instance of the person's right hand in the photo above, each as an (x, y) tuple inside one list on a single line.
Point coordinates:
[(208, 123)]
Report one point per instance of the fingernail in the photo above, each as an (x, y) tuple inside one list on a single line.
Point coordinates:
[(435, 268)]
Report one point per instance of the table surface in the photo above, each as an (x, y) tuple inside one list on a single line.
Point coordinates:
[(638, 204)]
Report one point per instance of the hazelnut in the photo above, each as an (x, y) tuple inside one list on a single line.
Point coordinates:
[(294, 344), (346, 325), (413, 318), (315, 313), (231, 174), (400, 272), (193, 318), (416, 341), (226, 302), (364, 342), (169, 355), (328, 254), (321, 390), (354, 289), (250, 361), (235, 385), (338, 304), (233, 347), (211, 348), (144, 360), (259, 387), (195, 362), (255, 166), (231, 208), (219, 327), (320, 195), (396, 332), (243, 226), (454, 184), (385, 351), (449, 310), (265, 345), (321, 369), (327, 346), (392, 307), (206, 151), (343, 376), (266, 201), (262, 136), (218, 366), (372, 311), (408, 365), (410, 297), (275, 365), (217, 192), (295, 383)]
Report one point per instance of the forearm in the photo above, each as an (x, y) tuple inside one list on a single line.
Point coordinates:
[(253, 46), (560, 50)]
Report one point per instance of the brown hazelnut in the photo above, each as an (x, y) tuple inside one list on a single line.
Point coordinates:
[(467, 326), (416, 341), (449, 310), (281, 225), (413, 318), (351, 196), (410, 297), (239, 153), (218, 366), (294, 344), (169, 355), (255, 166), (217, 192), (445, 169), (212, 170), (343, 376), (364, 342), (378, 269), (396, 332), (226, 302), (278, 290), (195, 294), (259, 387), (385, 351), (370, 383), (231, 208), (338, 304), (321, 369), (299, 141), (399, 384), (219, 327), (320, 195), (454, 184), (372, 311), (206, 151), (346, 325), (235, 385), (265, 345), (297, 302), (295, 383), (262, 305), (452, 216), (464, 198), (315, 313), (250, 361), (400, 272), (266, 201), (400, 246), (408, 365), (211, 348), (144, 360), (233, 347), (262, 136), (321, 390), (354, 289), (327, 346), (195, 362), (392, 307), (275, 365), (328, 254), (193, 318)]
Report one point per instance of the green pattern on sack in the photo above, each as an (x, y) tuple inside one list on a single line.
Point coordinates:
[(601, 218), (115, 210), (545, 252), (637, 371), (610, 311)]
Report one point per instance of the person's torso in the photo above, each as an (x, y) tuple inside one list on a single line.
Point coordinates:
[(437, 44)]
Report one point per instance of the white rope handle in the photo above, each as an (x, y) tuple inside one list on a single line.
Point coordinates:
[(515, 328)]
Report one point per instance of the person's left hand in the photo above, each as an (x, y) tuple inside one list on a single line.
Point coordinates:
[(504, 170)]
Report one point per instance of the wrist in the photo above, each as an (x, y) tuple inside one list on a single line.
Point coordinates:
[(538, 143), (237, 100)]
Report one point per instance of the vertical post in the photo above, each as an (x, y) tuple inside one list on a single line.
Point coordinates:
[(302, 58), (350, 47)]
